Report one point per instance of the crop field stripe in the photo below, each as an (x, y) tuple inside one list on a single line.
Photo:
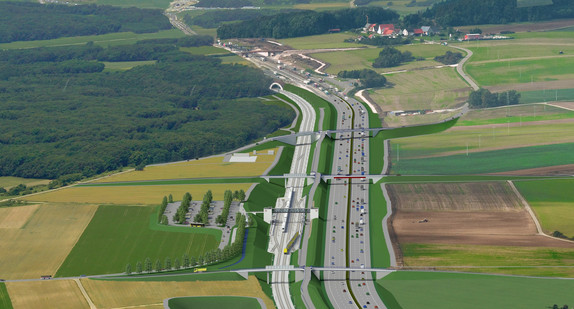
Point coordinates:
[(46, 294), (174, 182), (488, 161)]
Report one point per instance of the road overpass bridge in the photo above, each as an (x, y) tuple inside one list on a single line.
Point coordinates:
[(316, 271)]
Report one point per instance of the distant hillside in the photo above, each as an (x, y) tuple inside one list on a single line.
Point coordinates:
[(27, 21)]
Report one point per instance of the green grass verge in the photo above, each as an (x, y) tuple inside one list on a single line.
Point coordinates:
[(118, 235), (330, 119), (316, 245), (265, 195), (235, 302), (378, 210), (549, 96), (105, 40), (5, 302), (413, 289), (334, 40), (552, 201), (419, 129), (487, 161), (205, 50)]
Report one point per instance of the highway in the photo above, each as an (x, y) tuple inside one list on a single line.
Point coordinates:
[(293, 198), (345, 229)]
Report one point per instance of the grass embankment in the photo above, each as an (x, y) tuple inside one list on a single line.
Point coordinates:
[(524, 261), (183, 276), (450, 290), (330, 118), (140, 195), (124, 65), (37, 238), (104, 40), (118, 235), (5, 302), (316, 245), (213, 302), (378, 210), (553, 203), (487, 161)]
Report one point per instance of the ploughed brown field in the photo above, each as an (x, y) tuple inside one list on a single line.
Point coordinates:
[(463, 213)]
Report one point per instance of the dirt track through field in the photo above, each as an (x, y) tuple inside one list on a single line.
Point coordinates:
[(567, 169)]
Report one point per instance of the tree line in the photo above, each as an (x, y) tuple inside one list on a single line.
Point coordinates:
[(449, 58), (470, 12), (211, 257), (483, 98), (203, 215), (295, 24), (27, 21), (181, 107)]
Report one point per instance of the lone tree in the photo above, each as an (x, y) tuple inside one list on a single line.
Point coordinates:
[(148, 265), (241, 195), (128, 269), (167, 263), (139, 267), (176, 264), (157, 265)]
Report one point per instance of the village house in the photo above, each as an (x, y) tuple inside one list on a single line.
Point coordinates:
[(428, 30)]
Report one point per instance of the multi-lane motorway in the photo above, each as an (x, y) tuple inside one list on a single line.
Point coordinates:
[(347, 240)]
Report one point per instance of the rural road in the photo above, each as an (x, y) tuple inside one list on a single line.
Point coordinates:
[(460, 65)]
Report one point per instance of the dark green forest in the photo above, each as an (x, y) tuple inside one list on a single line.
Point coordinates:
[(471, 12), (61, 114), (27, 21), (215, 18), (287, 25)]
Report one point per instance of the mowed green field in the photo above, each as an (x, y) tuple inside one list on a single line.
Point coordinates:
[(436, 290), (549, 96), (333, 40), (486, 138), (518, 260), (110, 39), (213, 302), (519, 48), (205, 50), (514, 113), (495, 161), (363, 58), (521, 71), (421, 89), (143, 4), (118, 235), (553, 202)]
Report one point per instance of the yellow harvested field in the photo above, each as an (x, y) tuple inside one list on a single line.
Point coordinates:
[(117, 294), (130, 195), (209, 167), (15, 217), (40, 245), (57, 294)]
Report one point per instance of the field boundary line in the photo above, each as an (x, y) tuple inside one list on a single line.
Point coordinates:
[(86, 296), (557, 106), (532, 215)]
